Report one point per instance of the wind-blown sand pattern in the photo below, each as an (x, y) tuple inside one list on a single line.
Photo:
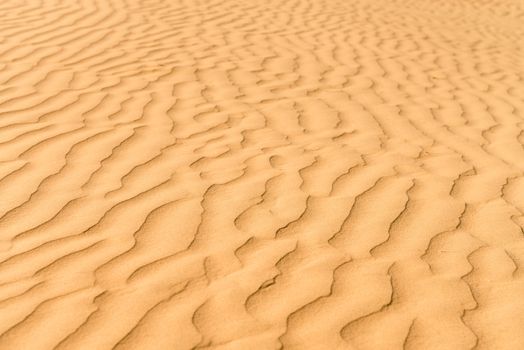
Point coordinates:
[(234, 174)]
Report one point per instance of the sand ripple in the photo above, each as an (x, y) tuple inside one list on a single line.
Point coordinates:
[(302, 174)]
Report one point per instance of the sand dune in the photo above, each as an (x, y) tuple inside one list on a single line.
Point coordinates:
[(234, 174)]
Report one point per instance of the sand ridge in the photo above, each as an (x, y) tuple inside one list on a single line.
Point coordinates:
[(233, 174)]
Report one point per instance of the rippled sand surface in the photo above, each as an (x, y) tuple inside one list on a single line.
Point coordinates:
[(247, 174)]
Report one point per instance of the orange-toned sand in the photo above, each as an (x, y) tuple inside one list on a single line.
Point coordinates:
[(261, 174)]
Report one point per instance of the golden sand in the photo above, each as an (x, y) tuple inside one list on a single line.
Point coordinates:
[(248, 174)]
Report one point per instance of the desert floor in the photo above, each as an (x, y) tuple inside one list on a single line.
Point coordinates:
[(248, 174)]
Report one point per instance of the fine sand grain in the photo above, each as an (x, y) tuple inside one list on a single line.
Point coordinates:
[(261, 174)]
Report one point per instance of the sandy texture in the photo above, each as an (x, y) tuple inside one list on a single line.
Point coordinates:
[(248, 174)]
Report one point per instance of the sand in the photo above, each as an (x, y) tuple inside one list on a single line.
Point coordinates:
[(247, 174)]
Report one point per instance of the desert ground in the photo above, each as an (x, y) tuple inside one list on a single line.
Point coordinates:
[(248, 174)]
